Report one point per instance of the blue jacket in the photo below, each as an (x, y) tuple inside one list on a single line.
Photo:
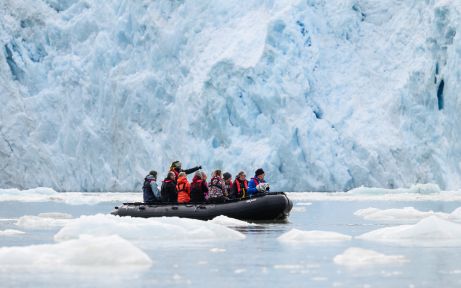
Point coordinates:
[(150, 189), (252, 185)]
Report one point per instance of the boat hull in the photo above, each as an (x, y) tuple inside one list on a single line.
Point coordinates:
[(271, 206)]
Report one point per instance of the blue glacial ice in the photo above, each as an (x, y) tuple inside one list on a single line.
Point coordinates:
[(324, 95)]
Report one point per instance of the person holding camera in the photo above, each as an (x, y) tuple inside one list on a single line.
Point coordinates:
[(257, 184)]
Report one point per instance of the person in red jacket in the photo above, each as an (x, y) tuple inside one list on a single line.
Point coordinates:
[(240, 186), (183, 188)]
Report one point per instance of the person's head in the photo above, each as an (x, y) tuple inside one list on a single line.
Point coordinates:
[(259, 173), (217, 173), (153, 173), (171, 175), (198, 174), (204, 176), (241, 175), (176, 165), (182, 174), (226, 176)]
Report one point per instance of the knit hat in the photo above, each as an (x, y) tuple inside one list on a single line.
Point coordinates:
[(227, 175), (259, 171), (153, 173), (176, 164)]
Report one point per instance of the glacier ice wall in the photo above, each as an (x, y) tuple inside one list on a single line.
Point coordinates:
[(324, 95)]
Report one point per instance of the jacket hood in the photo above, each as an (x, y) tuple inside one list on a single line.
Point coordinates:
[(182, 180), (150, 177)]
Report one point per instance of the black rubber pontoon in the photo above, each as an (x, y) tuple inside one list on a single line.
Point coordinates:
[(270, 206)]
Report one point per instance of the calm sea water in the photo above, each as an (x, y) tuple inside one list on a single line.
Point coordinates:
[(258, 261)]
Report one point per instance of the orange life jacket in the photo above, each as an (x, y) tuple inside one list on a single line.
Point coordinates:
[(183, 188)]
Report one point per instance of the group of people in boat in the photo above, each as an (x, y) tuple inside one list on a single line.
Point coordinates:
[(176, 188)]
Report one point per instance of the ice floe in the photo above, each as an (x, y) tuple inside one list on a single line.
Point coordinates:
[(42, 194), (230, 222), (84, 251), (167, 229), (418, 192), (358, 257), (217, 250), (432, 231), (44, 220), (11, 232), (407, 214), (314, 236), (404, 215), (55, 215), (428, 188), (298, 209)]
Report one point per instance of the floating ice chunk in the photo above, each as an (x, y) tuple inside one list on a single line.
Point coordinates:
[(429, 232), (85, 251), (298, 209), (376, 194), (168, 229), (29, 195), (55, 215), (415, 189), (288, 266), (44, 220), (11, 232), (456, 214), (299, 236), (91, 198), (359, 257), (217, 250), (407, 214), (42, 194), (239, 271), (230, 222)]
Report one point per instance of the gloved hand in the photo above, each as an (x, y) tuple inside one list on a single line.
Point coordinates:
[(199, 167)]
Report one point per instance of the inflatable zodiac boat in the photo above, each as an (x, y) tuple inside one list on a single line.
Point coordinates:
[(269, 206)]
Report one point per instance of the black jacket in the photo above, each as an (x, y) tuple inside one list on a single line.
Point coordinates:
[(187, 171), (198, 190), (169, 192)]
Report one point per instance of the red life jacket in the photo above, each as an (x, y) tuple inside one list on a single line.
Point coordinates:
[(237, 183)]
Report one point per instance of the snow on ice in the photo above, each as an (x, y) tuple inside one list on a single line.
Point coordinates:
[(11, 232), (110, 251), (230, 222), (432, 231), (164, 229), (355, 257), (44, 220), (407, 214), (321, 237), (42, 194)]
